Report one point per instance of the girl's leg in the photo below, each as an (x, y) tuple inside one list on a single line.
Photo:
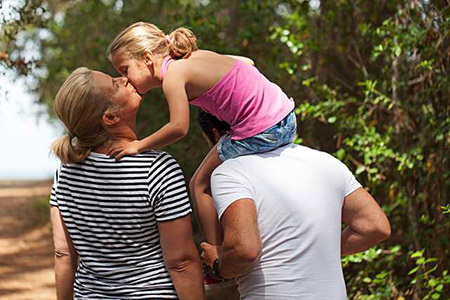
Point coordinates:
[(201, 193)]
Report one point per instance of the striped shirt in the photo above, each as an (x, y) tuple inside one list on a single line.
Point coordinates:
[(111, 209)]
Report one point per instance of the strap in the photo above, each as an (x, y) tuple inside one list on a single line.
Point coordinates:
[(165, 64)]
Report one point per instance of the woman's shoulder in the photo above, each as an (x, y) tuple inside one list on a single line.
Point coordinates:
[(160, 157)]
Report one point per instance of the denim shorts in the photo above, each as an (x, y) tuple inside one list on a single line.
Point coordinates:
[(276, 136)]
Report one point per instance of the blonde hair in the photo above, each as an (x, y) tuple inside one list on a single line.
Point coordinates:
[(141, 36), (80, 106)]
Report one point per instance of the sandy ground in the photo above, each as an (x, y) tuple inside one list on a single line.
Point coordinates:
[(26, 250)]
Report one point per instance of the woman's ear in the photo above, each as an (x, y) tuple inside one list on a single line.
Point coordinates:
[(110, 119), (147, 57)]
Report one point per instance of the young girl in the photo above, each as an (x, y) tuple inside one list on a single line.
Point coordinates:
[(260, 114)]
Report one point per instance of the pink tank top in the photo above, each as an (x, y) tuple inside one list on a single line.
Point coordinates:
[(245, 99)]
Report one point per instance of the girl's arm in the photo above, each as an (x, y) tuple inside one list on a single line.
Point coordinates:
[(200, 186), (66, 258), (173, 131)]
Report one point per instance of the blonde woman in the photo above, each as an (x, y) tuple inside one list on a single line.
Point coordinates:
[(122, 229)]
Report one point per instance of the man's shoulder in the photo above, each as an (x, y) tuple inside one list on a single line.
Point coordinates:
[(228, 165), (291, 153)]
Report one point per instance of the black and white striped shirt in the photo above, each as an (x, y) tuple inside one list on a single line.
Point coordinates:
[(111, 209)]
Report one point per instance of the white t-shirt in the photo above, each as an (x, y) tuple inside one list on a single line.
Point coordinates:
[(298, 194)]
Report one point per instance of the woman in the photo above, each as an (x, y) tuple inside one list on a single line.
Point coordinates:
[(122, 229)]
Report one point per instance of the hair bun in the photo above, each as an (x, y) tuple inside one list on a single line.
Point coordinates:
[(182, 43)]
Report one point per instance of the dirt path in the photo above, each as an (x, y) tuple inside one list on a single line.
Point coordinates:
[(26, 250)]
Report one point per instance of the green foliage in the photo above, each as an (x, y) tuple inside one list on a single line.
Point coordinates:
[(376, 93), (378, 280), (370, 79), (446, 209), (30, 16), (374, 279), (42, 209), (426, 278)]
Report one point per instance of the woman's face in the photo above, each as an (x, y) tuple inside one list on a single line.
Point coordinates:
[(140, 74), (120, 92)]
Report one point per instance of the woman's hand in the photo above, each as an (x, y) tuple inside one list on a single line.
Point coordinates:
[(119, 150), (209, 253)]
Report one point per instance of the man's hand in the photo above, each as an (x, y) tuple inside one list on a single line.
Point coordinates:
[(126, 148), (209, 253)]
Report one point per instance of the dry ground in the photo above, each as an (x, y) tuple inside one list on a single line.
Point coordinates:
[(26, 250)]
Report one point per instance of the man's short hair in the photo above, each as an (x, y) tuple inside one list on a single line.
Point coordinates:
[(207, 122)]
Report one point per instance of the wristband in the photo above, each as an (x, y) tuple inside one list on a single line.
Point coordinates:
[(215, 268)]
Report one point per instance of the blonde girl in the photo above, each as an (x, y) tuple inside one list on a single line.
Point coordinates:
[(260, 114)]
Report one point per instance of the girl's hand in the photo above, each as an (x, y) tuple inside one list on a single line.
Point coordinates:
[(120, 150)]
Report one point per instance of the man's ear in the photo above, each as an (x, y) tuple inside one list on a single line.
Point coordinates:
[(110, 119), (217, 135), (208, 140)]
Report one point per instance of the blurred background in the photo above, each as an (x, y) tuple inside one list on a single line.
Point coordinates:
[(370, 80)]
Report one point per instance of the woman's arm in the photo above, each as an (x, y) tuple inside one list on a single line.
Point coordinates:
[(66, 258), (181, 258)]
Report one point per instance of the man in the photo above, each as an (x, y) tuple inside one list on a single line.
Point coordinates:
[(281, 214)]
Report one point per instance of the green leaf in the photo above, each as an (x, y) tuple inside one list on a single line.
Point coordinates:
[(432, 282), (436, 296), (395, 249), (307, 82), (413, 271), (340, 154), (367, 280), (332, 119), (417, 254), (306, 67), (420, 261), (360, 169), (397, 51)]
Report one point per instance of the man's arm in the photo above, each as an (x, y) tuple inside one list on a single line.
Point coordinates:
[(366, 223), (241, 246), (181, 258), (66, 258)]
